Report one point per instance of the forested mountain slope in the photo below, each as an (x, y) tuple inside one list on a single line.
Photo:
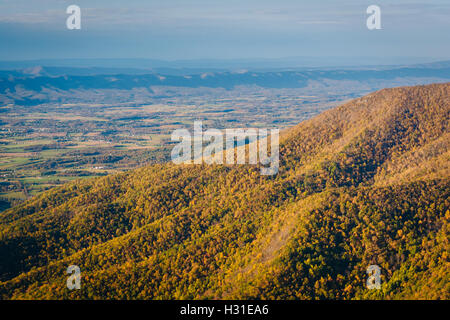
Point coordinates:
[(365, 183)]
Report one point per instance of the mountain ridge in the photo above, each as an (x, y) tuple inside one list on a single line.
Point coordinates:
[(197, 231), (39, 85)]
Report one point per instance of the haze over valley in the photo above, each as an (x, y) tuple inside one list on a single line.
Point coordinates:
[(59, 123)]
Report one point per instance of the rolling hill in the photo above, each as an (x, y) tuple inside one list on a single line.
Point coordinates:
[(365, 183)]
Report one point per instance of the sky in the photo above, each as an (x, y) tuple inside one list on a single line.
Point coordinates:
[(224, 29)]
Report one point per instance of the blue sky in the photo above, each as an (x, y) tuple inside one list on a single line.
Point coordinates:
[(227, 29)]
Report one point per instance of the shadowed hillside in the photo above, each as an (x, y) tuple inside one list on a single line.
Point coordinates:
[(365, 183)]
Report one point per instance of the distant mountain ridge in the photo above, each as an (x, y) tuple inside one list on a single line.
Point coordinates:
[(225, 64), (361, 184), (35, 85)]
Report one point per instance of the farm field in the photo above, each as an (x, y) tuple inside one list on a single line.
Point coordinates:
[(45, 145)]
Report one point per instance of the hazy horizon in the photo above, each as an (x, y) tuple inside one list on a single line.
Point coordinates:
[(285, 63)]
